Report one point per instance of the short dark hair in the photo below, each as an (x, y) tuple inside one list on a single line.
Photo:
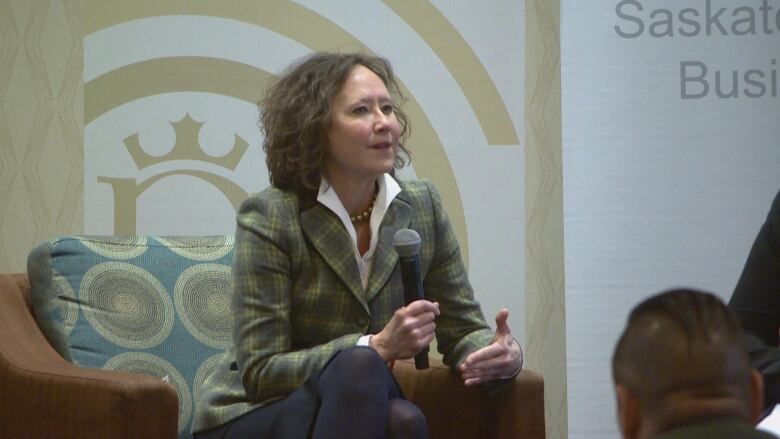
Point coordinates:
[(296, 113), (682, 341)]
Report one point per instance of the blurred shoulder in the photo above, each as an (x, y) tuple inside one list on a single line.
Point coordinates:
[(416, 191), (269, 203)]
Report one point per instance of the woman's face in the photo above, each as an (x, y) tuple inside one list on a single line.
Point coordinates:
[(363, 133)]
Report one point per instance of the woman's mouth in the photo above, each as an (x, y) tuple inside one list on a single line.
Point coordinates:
[(382, 145)]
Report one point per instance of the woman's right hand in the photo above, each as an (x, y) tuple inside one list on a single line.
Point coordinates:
[(408, 332)]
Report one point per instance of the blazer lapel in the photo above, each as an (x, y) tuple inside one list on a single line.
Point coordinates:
[(327, 235), (397, 217)]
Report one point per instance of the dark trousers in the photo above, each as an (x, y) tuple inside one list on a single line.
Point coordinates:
[(353, 396)]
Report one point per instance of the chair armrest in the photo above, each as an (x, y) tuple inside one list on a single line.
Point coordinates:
[(456, 411), (46, 396)]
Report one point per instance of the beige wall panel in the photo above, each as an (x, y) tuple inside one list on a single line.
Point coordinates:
[(41, 125), (544, 280)]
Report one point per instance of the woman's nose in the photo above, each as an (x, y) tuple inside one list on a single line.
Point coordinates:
[(381, 122)]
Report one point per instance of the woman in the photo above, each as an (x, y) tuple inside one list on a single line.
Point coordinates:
[(318, 296)]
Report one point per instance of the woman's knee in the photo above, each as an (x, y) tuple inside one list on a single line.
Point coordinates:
[(360, 357), (354, 370), (358, 360), (406, 420)]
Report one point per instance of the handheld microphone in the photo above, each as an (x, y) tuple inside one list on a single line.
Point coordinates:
[(407, 245)]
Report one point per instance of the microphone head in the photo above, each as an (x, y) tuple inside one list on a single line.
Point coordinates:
[(407, 243)]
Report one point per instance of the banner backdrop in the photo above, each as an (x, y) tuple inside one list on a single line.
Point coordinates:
[(172, 145), (671, 158)]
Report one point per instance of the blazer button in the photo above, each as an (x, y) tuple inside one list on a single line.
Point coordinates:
[(362, 321)]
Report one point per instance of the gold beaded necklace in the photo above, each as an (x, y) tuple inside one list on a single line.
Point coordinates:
[(366, 213)]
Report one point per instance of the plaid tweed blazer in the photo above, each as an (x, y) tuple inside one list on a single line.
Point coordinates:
[(298, 299)]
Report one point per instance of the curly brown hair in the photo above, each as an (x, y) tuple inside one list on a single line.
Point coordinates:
[(296, 113)]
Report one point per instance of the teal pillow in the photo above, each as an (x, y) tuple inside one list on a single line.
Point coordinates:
[(153, 305)]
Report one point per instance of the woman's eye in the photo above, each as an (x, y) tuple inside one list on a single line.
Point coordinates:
[(360, 110), (387, 109)]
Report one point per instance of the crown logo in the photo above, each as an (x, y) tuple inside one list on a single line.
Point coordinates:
[(186, 147)]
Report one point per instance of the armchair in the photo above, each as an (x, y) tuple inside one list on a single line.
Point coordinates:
[(46, 395)]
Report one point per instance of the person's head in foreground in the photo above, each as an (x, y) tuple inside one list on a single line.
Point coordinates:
[(680, 364)]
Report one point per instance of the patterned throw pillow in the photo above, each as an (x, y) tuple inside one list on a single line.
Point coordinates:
[(153, 305)]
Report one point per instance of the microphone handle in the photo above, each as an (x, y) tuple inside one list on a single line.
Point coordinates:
[(421, 359), (413, 290)]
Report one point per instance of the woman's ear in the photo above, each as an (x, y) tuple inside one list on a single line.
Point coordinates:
[(757, 395), (629, 416)]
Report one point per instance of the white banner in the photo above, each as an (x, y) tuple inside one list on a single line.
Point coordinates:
[(671, 159)]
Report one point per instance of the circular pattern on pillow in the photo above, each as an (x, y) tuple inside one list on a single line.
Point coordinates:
[(204, 371), (116, 247), (127, 305), (202, 297), (200, 248), (148, 364), (64, 300)]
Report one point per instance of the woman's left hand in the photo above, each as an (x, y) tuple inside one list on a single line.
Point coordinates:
[(503, 358)]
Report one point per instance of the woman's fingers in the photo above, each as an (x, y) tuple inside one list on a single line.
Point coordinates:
[(420, 307)]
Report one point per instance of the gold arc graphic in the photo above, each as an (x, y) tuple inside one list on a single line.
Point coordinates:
[(316, 32), (461, 61), (208, 75)]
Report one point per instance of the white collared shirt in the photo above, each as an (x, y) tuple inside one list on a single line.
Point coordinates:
[(388, 190)]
